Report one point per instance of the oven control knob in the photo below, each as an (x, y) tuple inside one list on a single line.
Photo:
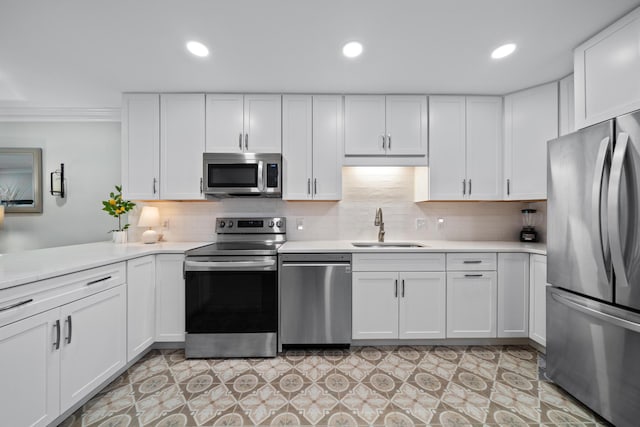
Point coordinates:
[(270, 223), (230, 224), (279, 224), (221, 224)]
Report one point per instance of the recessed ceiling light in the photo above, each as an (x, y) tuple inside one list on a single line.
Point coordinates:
[(197, 48), (352, 49), (504, 50)]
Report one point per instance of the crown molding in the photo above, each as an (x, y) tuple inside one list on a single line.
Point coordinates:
[(59, 114)]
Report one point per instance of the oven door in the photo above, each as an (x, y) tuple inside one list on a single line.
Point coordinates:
[(231, 306)]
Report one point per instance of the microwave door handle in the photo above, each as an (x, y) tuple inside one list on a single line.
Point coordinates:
[(260, 176), (613, 214)]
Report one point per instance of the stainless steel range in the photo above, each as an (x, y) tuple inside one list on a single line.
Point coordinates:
[(232, 290)]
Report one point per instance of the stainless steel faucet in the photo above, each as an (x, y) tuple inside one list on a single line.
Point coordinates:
[(379, 222)]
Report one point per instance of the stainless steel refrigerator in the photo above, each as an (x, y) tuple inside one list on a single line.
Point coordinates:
[(593, 265)]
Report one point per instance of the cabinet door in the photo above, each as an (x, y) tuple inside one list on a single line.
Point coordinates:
[(423, 302), (141, 320), (471, 304), (224, 124), (181, 146), (513, 295), (406, 124), (447, 159), (140, 146), (607, 67), (328, 144), (30, 371), (297, 152), (484, 147), (94, 343), (263, 123), (531, 119), (538, 296), (375, 305), (364, 125), (170, 309)]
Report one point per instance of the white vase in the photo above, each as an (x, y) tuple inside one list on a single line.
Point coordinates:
[(119, 236)]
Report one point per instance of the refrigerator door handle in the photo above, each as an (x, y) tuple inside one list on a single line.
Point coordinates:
[(613, 214), (623, 323), (596, 206)]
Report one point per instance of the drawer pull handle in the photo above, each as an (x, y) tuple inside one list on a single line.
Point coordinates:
[(472, 262), (473, 275), (68, 338), (93, 282), (56, 325), (18, 304)]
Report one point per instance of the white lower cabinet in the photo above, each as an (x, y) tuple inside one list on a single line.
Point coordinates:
[(389, 305), (170, 303), (141, 314), (538, 297), (513, 295), (30, 371), (53, 359), (93, 343), (471, 304)]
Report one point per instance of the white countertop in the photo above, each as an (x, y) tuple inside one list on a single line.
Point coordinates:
[(29, 266), (314, 246)]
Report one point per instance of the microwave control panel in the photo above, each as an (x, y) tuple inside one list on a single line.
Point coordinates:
[(272, 175)]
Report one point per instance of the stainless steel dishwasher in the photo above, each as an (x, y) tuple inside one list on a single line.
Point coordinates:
[(315, 299)]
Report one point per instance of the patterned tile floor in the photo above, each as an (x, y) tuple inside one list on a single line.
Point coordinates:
[(364, 386)]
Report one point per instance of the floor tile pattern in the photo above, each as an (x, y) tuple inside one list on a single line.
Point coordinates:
[(364, 386)]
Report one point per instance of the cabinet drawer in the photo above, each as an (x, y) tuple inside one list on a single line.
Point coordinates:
[(484, 261), (406, 261), (23, 301)]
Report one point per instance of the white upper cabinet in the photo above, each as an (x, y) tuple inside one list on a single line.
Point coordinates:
[(181, 146), (606, 70), (465, 155), (141, 146), (531, 119), (406, 124), (162, 146), (566, 106), (378, 125), (243, 123), (312, 147), (364, 127)]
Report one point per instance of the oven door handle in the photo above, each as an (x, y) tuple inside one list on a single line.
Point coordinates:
[(229, 265)]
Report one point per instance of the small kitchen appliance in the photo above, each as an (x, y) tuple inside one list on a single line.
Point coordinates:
[(528, 232)]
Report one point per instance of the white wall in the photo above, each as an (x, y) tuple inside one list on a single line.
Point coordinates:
[(91, 156)]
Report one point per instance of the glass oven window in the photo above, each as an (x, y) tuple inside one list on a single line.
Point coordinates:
[(231, 301), (232, 175)]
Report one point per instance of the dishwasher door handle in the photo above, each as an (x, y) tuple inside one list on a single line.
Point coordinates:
[(317, 264)]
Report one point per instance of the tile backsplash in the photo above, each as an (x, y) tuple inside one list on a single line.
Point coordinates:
[(364, 189)]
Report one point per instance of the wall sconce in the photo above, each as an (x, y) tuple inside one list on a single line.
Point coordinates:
[(57, 182)]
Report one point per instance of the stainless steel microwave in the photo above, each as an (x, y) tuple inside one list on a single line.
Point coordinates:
[(242, 174)]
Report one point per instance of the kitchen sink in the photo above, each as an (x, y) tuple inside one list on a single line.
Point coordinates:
[(388, 245)]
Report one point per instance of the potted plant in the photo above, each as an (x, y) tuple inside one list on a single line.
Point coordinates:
[(116, 206)]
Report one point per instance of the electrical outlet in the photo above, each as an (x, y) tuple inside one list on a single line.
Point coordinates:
[(440, 222), (421, 223), (300, 223), (165, 224)]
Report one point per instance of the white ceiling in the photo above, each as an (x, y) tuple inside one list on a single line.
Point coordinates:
[(84, 53)]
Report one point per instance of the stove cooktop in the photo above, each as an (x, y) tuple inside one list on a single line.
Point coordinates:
[(236, 248)]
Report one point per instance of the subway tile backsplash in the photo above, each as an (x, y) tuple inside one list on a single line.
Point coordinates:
[(364, 190)]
